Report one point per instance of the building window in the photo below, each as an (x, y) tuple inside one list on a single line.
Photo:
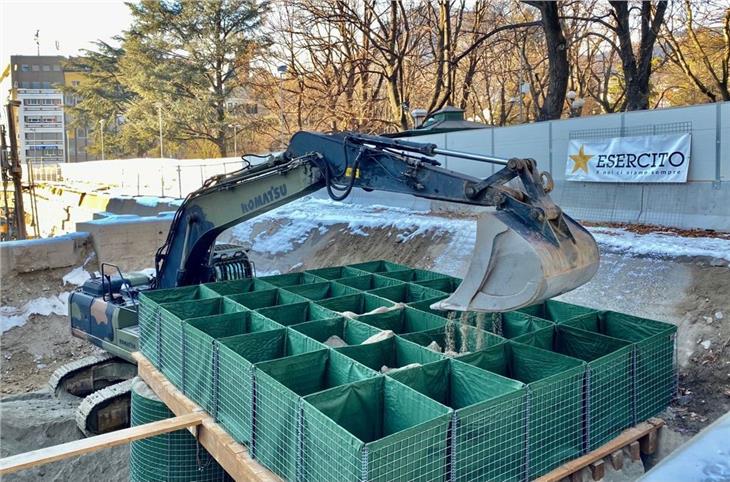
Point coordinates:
[(35, 85), (25, 85), (56, 67), (35, 68), (24, 68), (46, 85), (46, 68)]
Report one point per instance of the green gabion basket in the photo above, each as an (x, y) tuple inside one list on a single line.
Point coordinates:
[(489, 430), (174, 456), (369, 282)]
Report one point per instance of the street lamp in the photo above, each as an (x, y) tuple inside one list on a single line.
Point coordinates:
[(575, 102), (235, 138), (282, 70), (101, 124), (159, 117)]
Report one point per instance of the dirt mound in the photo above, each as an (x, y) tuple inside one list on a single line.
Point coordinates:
[(36, 420)]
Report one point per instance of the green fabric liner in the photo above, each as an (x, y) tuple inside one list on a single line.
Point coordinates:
[(174, 456), (408, 293), (610, 376), (206, 307), (295, 313), (184, 293), (413, 275), (369, 282), (351, 332), (379, 266), (475, 339), (236, 356), (292, 279), (279, 385), (266, 298), (321, 291), (198, 356), (490, 321), (514, 324), (377, 429), (447, 284), (394, 352), (490, 435), (655, 372), (404, 320), (336, 272), (235, 287), (555, 386), (359, 303), (557, 311)]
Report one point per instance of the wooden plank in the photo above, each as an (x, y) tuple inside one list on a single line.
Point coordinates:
[(635, 450), (627, 437), (649, 443), (232, 456), (85, 446), (617, 460), (598, 469)]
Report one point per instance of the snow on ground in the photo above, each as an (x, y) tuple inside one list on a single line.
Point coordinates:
[(77, 276), (297, 220), (11, 317)]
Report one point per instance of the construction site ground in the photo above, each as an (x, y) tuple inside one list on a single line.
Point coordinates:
[(685, 282)]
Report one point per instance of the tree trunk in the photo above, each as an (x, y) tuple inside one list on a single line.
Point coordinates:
[(637, 71), (558, 69)]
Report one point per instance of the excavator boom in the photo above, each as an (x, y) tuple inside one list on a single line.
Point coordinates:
[(527, 249)]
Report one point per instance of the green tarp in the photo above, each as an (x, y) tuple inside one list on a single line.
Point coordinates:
[(414, 275), (296, 313), (394, 352), (150, 317), (199, 360), (239, 286), (457, 338), (555, 397), (408, 293), (609, 376), (172, 336), (336, 272), (489, 427), (350, 331), (447, 284), (655, 374), (379, 266), (358, 304), (369, 282), (404, 320), (557, 311), (374, 430), (266, 298), (292, 279), (322, 291), (279, 386), (514, 324), (236, 356)]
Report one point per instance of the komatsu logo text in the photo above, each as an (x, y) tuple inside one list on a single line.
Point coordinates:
[(267, 197)]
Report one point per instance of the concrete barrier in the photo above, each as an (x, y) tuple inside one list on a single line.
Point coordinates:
[(38, 254)]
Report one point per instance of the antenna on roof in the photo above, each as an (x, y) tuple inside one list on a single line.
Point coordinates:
[(58, 45), (37, 42)]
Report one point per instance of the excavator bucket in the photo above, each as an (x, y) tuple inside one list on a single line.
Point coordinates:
[(514, 266)]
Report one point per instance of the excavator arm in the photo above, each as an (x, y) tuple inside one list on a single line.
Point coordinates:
[(527, 250)]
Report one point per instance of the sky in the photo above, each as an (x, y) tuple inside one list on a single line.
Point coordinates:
[(74, 24)]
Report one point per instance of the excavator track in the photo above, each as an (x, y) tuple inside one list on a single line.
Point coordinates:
[(62, 373), (105, 410)]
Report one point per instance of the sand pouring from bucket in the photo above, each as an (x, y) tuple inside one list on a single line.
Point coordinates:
[(514, 266)]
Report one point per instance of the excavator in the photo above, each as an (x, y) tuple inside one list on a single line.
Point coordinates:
[(527, 250)]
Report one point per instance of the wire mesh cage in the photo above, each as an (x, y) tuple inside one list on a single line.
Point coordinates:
[(172, 456)]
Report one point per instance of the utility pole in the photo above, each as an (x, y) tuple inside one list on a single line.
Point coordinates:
[(101, 129), (235, 138), (37, 42), (16, 172), (282, 70), (159, 118)]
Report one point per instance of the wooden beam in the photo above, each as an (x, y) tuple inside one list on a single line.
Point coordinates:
[(232, 456), (84, 446), (626, 438)]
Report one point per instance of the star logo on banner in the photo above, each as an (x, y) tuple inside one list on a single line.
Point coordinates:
[(580, 160)]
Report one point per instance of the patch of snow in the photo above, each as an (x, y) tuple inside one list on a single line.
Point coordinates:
[(11, 317), (77, 276), (660, 244), (706, 344)]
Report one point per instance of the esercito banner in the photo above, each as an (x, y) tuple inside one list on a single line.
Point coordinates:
[(662, 158)]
